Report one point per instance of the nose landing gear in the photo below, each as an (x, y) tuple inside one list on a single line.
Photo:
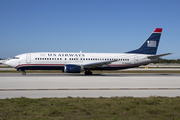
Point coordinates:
[(23, 72)]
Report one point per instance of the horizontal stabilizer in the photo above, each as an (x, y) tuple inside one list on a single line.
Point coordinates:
[(157, 56)]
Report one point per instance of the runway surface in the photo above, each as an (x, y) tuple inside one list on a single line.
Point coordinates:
[(40, 85)]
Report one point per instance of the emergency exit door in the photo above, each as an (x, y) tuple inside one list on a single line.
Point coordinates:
[(135, 59)]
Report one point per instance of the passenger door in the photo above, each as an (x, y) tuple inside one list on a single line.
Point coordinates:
[(28, 58)]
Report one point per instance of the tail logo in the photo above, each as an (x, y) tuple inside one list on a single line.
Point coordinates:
[(151, 44)]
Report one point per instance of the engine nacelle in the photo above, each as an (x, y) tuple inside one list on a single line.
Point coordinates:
[(72, 68)]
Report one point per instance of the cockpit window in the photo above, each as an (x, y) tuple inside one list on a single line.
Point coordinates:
[(16, 57)]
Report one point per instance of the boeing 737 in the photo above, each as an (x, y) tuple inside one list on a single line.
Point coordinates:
[(78, 62)]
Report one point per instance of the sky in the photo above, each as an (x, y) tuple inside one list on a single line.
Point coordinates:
[(95, 26)]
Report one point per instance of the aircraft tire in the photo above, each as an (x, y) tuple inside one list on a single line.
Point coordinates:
[(23, 73), (88, 73)]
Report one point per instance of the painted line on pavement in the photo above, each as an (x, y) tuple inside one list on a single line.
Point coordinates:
[(91, 89)]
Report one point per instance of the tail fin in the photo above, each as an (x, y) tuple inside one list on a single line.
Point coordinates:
[(151, 44)]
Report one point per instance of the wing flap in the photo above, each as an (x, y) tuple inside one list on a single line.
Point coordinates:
[(98, 64)]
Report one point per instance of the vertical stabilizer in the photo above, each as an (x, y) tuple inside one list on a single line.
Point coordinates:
[(151, 44)]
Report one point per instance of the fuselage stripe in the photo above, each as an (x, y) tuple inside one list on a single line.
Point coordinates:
[(22, 65), (62, 65)]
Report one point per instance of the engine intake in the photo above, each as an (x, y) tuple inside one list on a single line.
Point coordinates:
[(72, 68)]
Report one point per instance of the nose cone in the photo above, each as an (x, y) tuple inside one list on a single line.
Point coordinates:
[(11, 63), (6, 62)]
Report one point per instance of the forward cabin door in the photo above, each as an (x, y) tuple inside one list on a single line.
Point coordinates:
[(28, 58)]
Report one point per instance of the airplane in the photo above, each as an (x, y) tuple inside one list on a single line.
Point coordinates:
[(3, 61), (78, 62)]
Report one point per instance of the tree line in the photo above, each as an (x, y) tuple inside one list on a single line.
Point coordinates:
[(173, 61)]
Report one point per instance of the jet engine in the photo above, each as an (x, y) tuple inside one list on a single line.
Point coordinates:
[(69, 68)]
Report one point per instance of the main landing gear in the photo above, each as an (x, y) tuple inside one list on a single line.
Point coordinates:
[(23, 72), (88, 72)]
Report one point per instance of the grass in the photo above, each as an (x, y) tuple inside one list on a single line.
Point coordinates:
[(115, 108), (5, 67)]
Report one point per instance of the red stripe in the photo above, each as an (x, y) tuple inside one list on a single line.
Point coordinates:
[(123, 65), (158, 30), (39, 65), (114, 65)]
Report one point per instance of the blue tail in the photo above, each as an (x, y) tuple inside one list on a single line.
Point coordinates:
[(151, 44)]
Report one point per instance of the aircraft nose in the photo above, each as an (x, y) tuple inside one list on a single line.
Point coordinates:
[(7, 63), (10, 63)]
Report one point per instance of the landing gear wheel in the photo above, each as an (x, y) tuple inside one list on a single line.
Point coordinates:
[(88, 72), (23, 73)]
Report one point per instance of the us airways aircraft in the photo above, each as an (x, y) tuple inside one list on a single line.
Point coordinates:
[(78, 62)]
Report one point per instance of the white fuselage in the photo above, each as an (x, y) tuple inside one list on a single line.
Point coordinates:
[(55, 60)]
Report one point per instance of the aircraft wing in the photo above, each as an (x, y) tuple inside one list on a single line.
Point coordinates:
[(157, 56), (98, 64)]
